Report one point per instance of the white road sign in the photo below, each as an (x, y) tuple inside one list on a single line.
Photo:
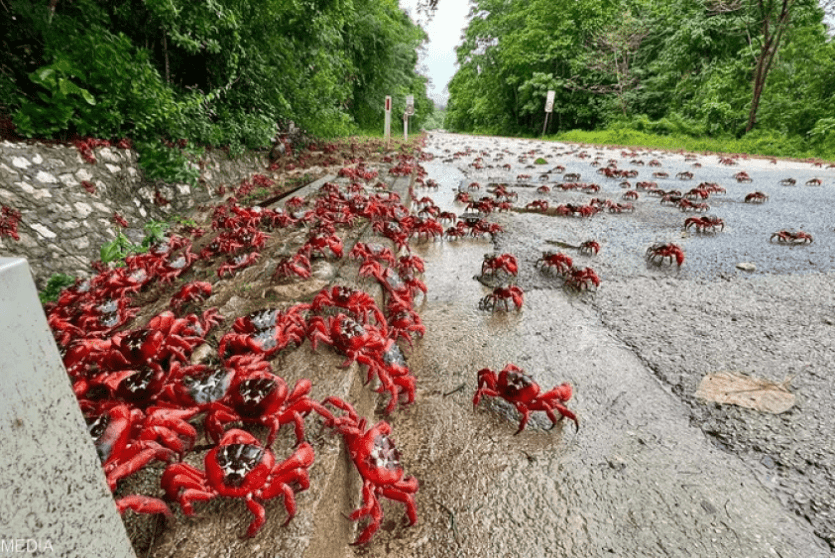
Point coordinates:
[(549, 101)]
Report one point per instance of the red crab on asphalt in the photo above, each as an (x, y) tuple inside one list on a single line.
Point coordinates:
[(377, 460), (403, 321), (588, 247), (659, 252), (704, 225), (505, 263), (538, 205), (579, 279), (554, 262), (756, 197), (502, 295), (518, 388), (239, 467), (791, 237)]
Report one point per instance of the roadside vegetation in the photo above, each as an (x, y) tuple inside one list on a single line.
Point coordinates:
[(754, 76), (223, 73)]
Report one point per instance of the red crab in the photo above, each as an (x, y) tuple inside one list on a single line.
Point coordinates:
[(235, 263), (505, 263), (659, 252), (359, 304), (319, 243), (298, 265), (756, 197), (366, 345), (376, 252), (579, 279), (260, 397), (518, 388), (790, 237), (264, 332), (538, 205), (502, 295), (126, 438), (378, 462), (704, 224), (742, 176), (239, 467), (402, 319), (191, 292), (554, 262), (589, 246)]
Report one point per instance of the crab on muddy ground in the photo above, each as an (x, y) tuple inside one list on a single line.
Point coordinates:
[(377, 460), (518, 388), (502, 297), (504, 264), (240, 467), (554, 262), (581, 279)]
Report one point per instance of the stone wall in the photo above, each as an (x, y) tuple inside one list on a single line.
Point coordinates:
[(63, 224)]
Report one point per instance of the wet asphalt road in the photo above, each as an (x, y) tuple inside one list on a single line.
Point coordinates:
[(652, 471)]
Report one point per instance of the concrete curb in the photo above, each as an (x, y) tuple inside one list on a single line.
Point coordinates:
[(56, 498)]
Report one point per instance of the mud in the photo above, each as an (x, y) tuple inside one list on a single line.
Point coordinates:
[(652, 471)]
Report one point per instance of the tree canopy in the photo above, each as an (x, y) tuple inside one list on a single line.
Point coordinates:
[(217, 72), (680, 65)]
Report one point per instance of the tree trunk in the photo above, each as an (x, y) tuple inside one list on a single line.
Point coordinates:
[(768, 51)]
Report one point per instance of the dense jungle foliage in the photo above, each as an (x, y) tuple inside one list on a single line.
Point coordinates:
[(687, 67), (213, 72)]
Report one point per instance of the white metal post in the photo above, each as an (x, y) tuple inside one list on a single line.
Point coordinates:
[(388, 120)]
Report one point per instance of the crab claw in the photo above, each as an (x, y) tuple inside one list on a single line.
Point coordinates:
[(142, 504)]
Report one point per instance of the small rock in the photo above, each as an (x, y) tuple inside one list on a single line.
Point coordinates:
[(617, 463), (295, 291), (20, 162), (746, 266)]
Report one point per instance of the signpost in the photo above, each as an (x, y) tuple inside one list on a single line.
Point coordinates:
[(388, 120), (410, 110), (549, 108)]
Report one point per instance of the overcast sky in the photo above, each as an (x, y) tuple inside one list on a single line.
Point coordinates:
[(444, 30)]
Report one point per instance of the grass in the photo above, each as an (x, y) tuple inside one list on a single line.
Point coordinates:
[(765, 144)]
